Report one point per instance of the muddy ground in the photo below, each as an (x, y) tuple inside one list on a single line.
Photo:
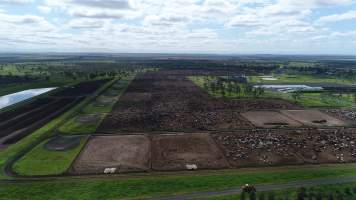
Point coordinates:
[(126, 153), (178, 152), (168, 101)]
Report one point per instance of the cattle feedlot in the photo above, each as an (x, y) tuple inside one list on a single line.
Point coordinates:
[(155, 128)]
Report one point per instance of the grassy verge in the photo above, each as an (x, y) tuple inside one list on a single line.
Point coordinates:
[(152, 185), (336, 191), (40, 161)]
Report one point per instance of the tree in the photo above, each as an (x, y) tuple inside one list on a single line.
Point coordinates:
[(296, 95), (262, 196), (319, 196), (347, 191), (301, 193), (271, 196), (243, 195), (229, 87), (237, 89), (339, 195), (330, 196), (252, 195)]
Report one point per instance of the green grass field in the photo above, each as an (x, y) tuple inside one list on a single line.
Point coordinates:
[(302, 79), (136, 186), (40, 161)]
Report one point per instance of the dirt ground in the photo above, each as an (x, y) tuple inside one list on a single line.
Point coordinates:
[(313, 118), (168, 101), (282, 147), (175, 152), (126, 153), (269, 119)]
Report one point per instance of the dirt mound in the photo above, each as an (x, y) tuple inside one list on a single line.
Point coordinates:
[(62, 143)]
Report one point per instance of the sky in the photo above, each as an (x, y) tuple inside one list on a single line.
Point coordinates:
[(179, 26)]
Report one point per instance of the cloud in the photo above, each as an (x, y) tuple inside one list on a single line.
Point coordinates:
[(15, 2), (172, 25), (109, 4), (44, 9), (86, 23), (162, 20), (350, 15), (96, 14)]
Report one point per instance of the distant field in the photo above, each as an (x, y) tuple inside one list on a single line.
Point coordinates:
[(306, 99), (302, 79)]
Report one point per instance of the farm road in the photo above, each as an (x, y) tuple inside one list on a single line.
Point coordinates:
[(262, 187)]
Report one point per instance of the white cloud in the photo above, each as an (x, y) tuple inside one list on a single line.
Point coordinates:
[(44, 9), (15, 2), (350, 15), (86, 23)]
